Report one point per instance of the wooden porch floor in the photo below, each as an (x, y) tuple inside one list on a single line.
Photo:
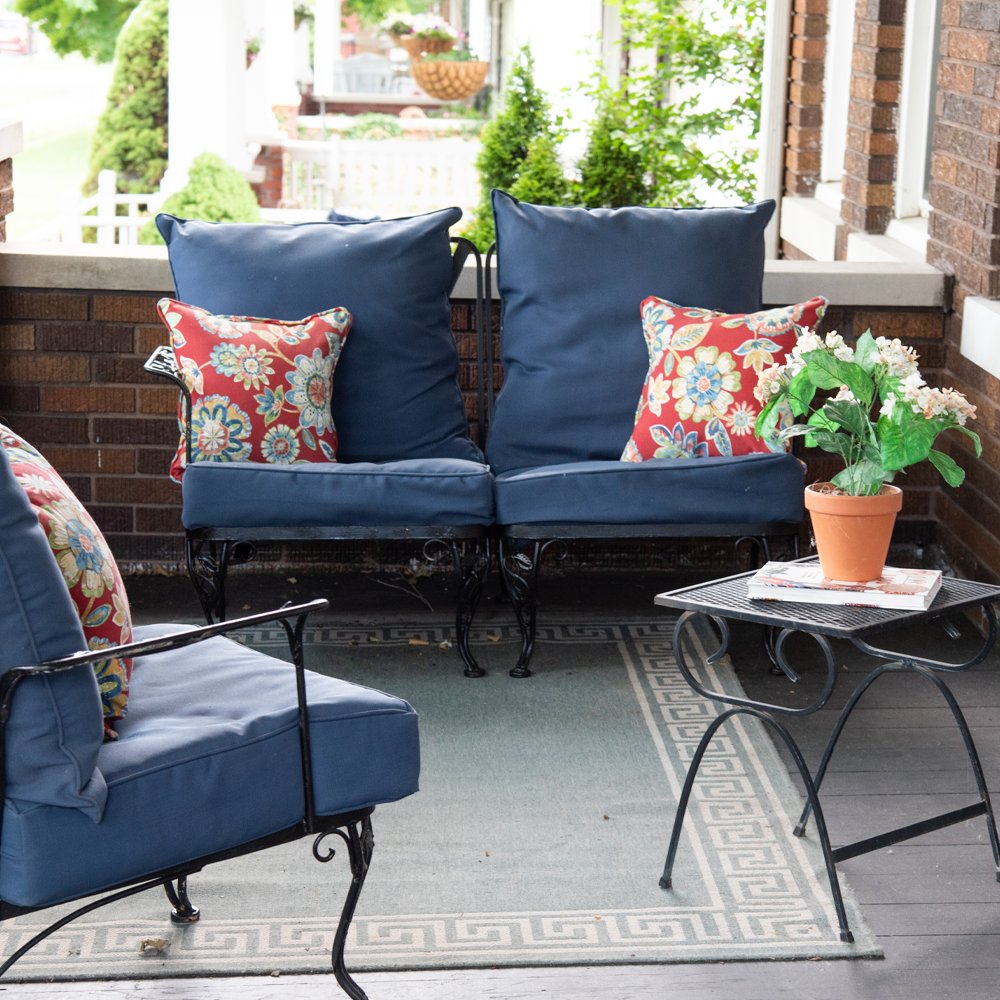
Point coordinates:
[(934, 903)]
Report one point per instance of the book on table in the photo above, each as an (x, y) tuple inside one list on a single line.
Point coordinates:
[(804, 583)]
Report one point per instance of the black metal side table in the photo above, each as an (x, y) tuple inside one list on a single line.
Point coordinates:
[(726, 600)]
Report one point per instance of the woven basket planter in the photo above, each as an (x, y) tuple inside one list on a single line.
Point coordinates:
[(449, 81)]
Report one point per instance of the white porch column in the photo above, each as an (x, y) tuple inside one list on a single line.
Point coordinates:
[(206, 85), (326, 46), (279, 53)]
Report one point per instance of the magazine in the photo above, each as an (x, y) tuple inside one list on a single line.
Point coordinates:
[(805, 583)]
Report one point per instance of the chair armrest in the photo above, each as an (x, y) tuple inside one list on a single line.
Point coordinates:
[(163, 362), (161, 644)]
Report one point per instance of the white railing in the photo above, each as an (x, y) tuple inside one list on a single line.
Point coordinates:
[(102, 212), (383, 177), (358, 177)]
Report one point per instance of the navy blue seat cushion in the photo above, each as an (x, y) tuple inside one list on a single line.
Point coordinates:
[(208, 759), (396, 393), (442, 491), (571, 281), (56, 728), (746, 489)]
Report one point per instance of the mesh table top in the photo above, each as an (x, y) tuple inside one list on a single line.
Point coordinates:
[(727, 598)]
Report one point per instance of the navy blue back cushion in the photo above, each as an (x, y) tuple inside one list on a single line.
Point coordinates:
[(571, 281), (55, 730), (395, 393)]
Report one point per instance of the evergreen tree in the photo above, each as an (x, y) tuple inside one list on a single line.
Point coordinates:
[(612, 172), (542, 180), (131, 134), (505, 140)]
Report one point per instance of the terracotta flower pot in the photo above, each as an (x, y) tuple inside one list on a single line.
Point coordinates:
[(449, 81), (852, 533)]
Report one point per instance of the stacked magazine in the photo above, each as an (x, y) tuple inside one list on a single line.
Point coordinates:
[(804, 583)]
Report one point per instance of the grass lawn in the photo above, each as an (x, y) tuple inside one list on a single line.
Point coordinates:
[(47, 180)]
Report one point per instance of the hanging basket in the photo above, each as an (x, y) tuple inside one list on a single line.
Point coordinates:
[(449, 81), (852, 533), (415, 46)]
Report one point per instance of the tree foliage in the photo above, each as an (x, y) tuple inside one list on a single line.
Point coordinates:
[(215, 192), (542, 179), (693, 80), (89, 27), (612, 171), (524, 116), (131, 134)]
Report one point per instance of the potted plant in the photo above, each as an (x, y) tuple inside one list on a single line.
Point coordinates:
[(869, 405), (426, 34), (451, 75)]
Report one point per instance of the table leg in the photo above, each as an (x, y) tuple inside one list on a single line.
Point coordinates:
[(666, 880), (983, 807)]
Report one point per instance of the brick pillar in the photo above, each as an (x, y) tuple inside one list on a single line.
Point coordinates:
[(965, 159), (269, 190), (870, 158), (805, 97), (6, 195)]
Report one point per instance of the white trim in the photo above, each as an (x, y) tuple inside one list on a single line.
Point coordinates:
[(980, 342), (774, 96), (11, 139), (914, 107), (810, 225), (836, 88), (145, 269)]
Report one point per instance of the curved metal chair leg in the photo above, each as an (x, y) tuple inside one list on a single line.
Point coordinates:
[(520, 576), (207, 565), (360, 844), (472, 562), (184, 911)]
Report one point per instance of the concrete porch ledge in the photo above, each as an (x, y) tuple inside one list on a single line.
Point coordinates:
[(145, 269)]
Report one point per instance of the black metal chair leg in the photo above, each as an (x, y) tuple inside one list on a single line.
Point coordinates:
[(184, 911), (207, 564), (471, 562), (360, 843), (520, 575)]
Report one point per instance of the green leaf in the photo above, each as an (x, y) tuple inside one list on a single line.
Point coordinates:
[(800, 393), (862, 479), (827, 372), (950, 471), (833, 442), (848, 415), (905, 443), (866, 352)]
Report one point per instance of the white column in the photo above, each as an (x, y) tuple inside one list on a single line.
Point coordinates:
[(326, 46), (206, 85), (279, 53)]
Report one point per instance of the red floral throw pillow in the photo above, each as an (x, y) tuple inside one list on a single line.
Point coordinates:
[(87, 565), (698, 398), (260, 388)]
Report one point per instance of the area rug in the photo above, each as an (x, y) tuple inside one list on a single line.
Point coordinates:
[(538, 836)]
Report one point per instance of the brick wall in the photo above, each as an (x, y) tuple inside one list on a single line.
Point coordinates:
[(72, 382), (870, 157), (965, 242), (6, 195), (804, 124)]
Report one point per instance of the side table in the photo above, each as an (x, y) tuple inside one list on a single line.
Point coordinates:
[(726, 600)]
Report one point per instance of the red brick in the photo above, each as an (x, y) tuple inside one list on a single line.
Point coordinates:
[(134, 489), (121, 308), (117, 461), (88, 399), (44, 368), (17, 337), (36, 306), (84, 337)]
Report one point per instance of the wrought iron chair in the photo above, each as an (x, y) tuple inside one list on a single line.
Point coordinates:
[(250, 750)]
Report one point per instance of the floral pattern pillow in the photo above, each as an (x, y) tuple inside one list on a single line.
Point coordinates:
[(260, 388), (91, 573), (698, 397)]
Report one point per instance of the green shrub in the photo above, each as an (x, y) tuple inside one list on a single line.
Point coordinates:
[(131, 134), (612, 172), (374, 126), (215, 192), (525, 115), (542, 180)]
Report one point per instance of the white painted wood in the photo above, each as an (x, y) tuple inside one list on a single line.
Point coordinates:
[(916, 88), (771, 164), (326, 45), (11, 139), (981, 333), (836, 87), (201, 65)]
